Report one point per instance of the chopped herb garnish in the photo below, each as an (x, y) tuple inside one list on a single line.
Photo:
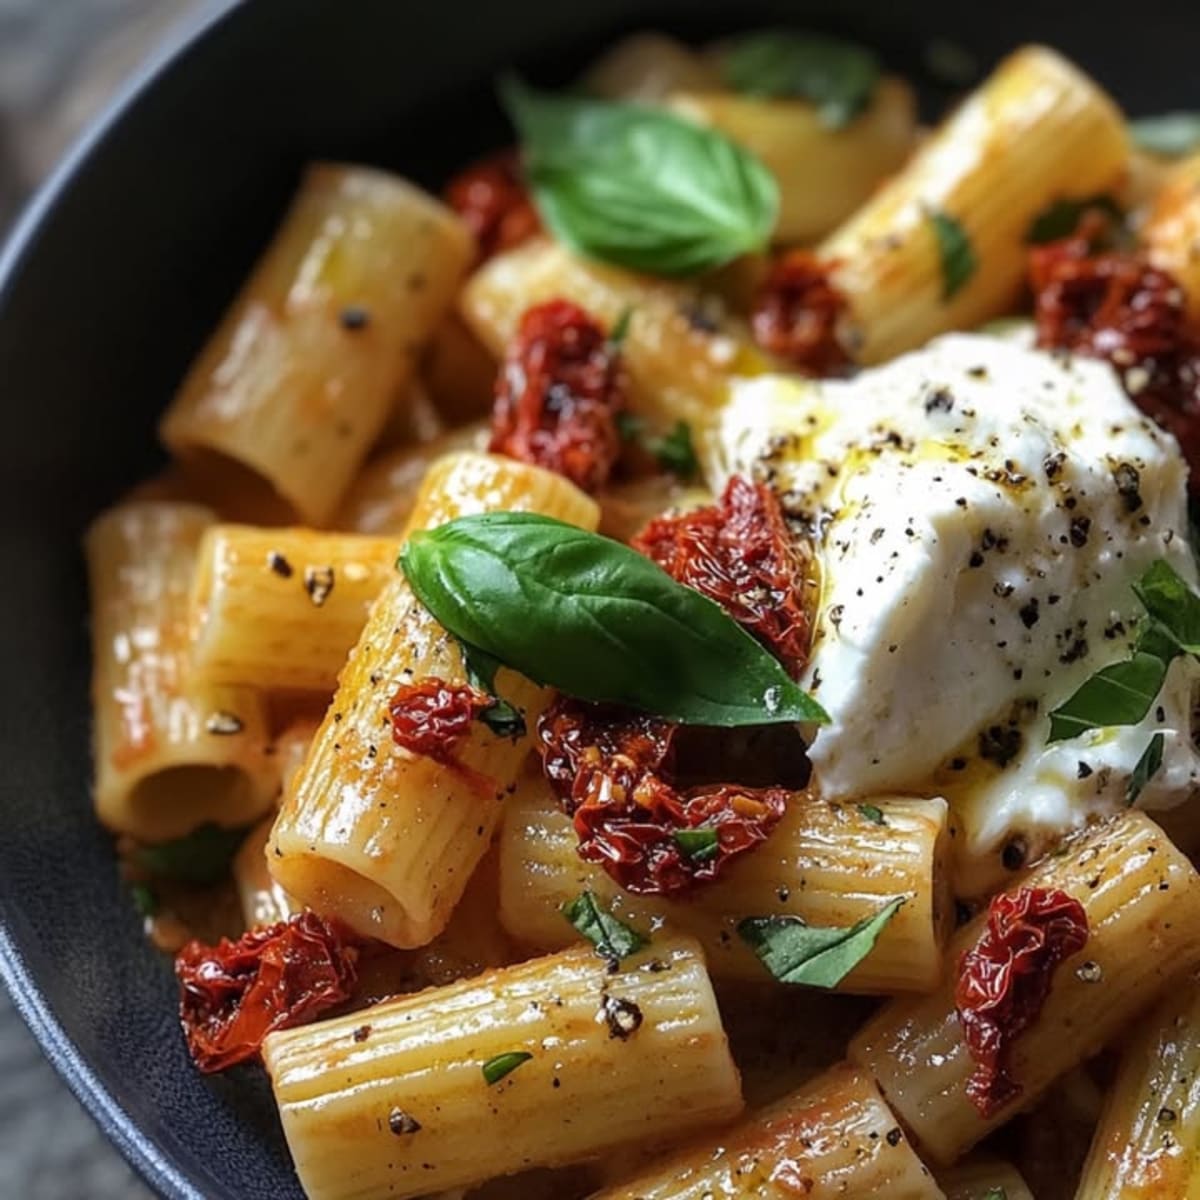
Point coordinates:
[(996, 1193), (200, 857), (1061, 218), (838, 77), (597, 620), (496, 1068), (796, 952), (954, 251), (629, 426), (872, 813), (1172, 134), (613, 939), (675, 451), (1172, 604), (698, 844), (501, 717), (639, 186), (620, 331), (144, 900), (1145, 769)]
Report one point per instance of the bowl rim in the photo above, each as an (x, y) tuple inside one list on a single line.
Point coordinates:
[(157, 1168)]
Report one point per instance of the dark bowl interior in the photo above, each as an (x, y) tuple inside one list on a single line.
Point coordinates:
[(106, 290)]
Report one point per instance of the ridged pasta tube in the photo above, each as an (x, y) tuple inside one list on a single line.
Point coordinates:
[(395, 1100), (1147, 1145), (172, 752), (1142, 899), (835, 1137), (829, 864), (1036, 131), (279, 609), (1171, 230), (369, 832), (300, 376)]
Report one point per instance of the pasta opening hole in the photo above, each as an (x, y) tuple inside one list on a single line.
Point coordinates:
[(172, 802)]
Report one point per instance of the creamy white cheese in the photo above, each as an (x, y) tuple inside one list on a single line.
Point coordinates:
[(981, 510)]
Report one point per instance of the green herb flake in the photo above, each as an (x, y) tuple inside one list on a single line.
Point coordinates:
[(836, 76), (629, 426), (698, 844), (795, 952), (620, 331), (144, 900), (996, 1193), (1120, 694), (1171, 135), (613, 939), (675, 451), (1146, 768), (872, 813), (496, 1068), (955, 252), (641, 187), (1061, 218), (201, 857), (501, 717), (598, 621), (1172, 605)]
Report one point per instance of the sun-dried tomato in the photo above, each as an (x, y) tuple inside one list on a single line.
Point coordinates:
[(1004, 979), (797, 312), (611, 770), (431, 717), (1116, 306), (493, 201), (741, 554), (558, 394), (235, 993)]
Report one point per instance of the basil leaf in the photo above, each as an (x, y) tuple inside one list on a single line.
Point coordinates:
[(496, 1068), (698, 844), (502, 718), (200, 857), (1061, 218), (620, 331), (613, 939), (1145, 769), (955, 251), (795, 952), (838, 77), (1172, 605), (629, 426), (641, 187), (1172, 134), (872, 813), (598, 621), (1120, 694), (996, 1193), (675, 451), (144, 900)]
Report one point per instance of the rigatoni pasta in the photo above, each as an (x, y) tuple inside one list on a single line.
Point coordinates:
[(300, 377), (984, 1178), (453, 1086)]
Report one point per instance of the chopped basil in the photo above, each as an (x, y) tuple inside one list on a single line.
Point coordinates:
[(1120, 694), (629, 426), (996, 1193), (795, 952), (1172, 134), (954, 251), (200, 857), (620, 331), (598, 621), (838, 77), (638, 186), (1171, 604), (613, 939), (1146, 768), (675, 451), (496, 1068), (1061, 218), (144, 900), (502, 718), (698, 844), (872, 813)]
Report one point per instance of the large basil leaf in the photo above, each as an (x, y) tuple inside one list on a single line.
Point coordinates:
[(597, 620), (638, 186), (836, 76), (796, 952)]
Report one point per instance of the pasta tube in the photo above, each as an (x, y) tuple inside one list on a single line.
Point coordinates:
[(279, 609), (299, 378), (1171, 230), (375, 835), (262, 900), (827, 863), (413, 417), (679, 367), (942, 245), (396, 1100), (984, 1179), (1147, 1144), (835, 1137), (459, 373), (172, 752), (1142, 900), (645, 68), (382, 497), (823, 174)]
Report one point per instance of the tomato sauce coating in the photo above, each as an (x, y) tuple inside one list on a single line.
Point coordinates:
[(796, 314)]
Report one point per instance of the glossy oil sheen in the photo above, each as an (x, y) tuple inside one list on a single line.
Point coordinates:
[(108, 288)]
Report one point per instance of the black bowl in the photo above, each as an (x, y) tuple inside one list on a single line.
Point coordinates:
[(108, 287)]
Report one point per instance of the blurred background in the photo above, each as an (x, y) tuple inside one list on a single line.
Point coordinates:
[(60, 62)]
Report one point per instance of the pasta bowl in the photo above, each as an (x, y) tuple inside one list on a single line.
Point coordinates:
[(107, 288)]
